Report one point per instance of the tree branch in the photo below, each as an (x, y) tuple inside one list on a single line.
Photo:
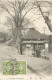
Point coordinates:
[(32, 21), (6, 9), (24, 4), (46, 18), (14, 5), (28, 11), (49, 2)]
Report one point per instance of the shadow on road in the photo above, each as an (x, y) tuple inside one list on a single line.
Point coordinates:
[(32, 70)]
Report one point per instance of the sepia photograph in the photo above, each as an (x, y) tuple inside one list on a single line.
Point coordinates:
[(26, 38)]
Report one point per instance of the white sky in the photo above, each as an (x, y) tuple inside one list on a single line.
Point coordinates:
[(39, 24)]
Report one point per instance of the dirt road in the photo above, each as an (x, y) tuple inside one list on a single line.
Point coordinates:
[(35, 65)]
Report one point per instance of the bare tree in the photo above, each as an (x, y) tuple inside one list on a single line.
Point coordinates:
[(18, 11), (46, 18)]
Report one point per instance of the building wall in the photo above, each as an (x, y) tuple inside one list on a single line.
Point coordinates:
[(30, 49), (50, 43)]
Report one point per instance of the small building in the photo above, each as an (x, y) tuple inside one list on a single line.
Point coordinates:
[(31, 41)]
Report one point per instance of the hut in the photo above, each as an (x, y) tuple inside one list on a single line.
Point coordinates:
[(31, 41)]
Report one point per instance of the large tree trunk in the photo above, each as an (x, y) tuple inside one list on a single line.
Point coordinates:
[(17, 32), (14, 36), (18, 44), (17, 38)]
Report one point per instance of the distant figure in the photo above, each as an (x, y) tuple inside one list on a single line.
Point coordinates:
[(38, 52)]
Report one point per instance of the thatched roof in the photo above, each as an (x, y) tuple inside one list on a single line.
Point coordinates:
[(33, 34)]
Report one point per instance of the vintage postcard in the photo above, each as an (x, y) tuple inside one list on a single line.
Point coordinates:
[(25, 39)]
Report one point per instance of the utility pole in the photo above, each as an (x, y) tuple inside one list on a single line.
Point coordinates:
[(44, 37), (44, 30)]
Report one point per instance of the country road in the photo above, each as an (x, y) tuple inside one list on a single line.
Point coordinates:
[(37, 66)]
